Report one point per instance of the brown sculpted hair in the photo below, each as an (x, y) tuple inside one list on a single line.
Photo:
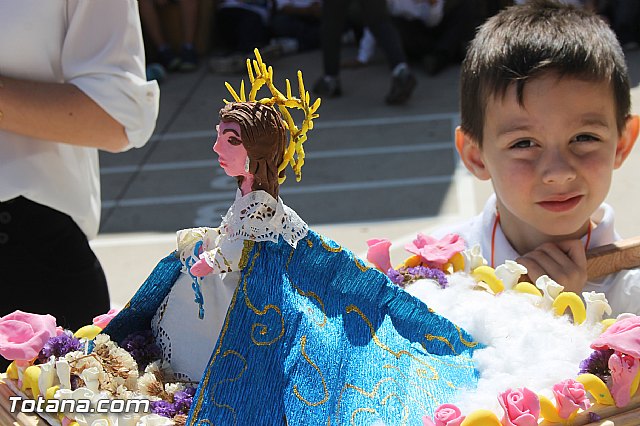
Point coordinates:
[(524, 42), (263, 136)]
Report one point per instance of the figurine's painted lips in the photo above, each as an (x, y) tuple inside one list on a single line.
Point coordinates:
[(561, 205)]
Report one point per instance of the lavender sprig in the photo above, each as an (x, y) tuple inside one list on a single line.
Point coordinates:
[(163, 408), (182, 400), (142, 347), (597, 364), (59, 346), (406, 275)]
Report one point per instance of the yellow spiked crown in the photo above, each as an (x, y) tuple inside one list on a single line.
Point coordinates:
[(260, 75)]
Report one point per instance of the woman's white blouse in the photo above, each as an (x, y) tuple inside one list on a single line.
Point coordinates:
[(97, 46)]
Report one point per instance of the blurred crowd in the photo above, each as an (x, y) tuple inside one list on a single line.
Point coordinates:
[(410, 35)]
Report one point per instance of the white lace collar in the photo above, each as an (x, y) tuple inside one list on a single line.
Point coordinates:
[(258, 216)]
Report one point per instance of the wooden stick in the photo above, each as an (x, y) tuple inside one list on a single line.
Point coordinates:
[(604, 260), (21, 418), (6, 418), (628, 418)]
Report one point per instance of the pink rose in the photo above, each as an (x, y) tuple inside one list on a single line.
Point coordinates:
[(436, 252), (570, 396), (624, 369), (521, 407), (23, 334), (103, 320), (445, 415), (378, 253), (623, 336)]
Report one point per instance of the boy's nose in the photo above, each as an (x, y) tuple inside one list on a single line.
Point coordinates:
[(215, 145), (557, 169)]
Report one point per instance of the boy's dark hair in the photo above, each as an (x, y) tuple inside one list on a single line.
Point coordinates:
[(524, 42)]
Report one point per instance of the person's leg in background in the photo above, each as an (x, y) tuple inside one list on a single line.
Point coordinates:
[(189, 15), (334, 15), (377, 18), (460, 20), (152, 27), (238, 32)]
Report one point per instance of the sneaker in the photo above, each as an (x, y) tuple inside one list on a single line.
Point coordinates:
[(328, 87), (402, 86), (286, 45), (168, 59), (188, 59)]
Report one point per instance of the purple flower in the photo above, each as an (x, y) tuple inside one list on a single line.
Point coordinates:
[(59, 346), (395, 276), (430, 273), (405, 275), (142, 347), (183, 399), (163, 408), (597, 364)]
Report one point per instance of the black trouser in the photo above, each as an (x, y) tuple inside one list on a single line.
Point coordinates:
[(449, 38), (240, 30), (47, 266), (375, 16), (305, 29)]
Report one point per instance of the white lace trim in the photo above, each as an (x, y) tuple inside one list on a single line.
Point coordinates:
[(258, 216)]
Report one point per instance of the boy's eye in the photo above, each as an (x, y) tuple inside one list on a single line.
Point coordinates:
[(586, 138), (525, 143)]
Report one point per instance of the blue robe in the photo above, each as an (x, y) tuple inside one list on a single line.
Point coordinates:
[(314, 336)]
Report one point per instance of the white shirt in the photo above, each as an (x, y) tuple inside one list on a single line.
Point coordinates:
[(622, 289), (97, 46)]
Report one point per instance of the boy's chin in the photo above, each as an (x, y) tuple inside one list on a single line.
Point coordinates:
[(561, 231)]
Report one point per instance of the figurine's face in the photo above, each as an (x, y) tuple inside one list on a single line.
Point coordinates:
[(232, 155)]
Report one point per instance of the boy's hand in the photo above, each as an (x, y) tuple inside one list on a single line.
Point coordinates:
[(565, 262)]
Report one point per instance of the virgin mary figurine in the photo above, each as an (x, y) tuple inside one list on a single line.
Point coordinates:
[(277, 324)]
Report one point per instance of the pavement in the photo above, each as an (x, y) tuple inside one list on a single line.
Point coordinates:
[(371, 170)]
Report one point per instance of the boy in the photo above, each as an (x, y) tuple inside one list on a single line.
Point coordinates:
[(545, 115)]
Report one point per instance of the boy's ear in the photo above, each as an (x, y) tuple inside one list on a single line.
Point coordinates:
[(471, 155), (627, 140)]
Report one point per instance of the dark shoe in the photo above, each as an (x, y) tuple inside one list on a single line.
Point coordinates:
[(434, 64), (168, 59), (402, 86), (328, 87), (188, 59)]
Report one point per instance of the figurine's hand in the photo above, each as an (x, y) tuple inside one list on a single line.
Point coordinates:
[(201, 268), (565, 262)]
